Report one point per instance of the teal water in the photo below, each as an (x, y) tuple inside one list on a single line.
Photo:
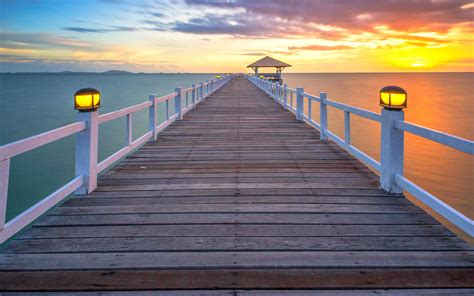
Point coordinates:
[(35, 103)]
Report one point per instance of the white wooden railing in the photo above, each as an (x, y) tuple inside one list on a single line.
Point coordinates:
[(393, 126), (86, 166)]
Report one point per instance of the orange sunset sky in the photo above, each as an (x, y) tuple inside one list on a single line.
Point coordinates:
[(225, 36)]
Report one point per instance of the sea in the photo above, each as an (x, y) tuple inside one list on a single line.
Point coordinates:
[(32, 103)]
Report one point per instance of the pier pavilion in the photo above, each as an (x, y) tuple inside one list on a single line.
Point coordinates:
[(269, 62)]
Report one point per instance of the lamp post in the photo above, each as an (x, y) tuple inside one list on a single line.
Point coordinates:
[(87, 101), (393, 99)]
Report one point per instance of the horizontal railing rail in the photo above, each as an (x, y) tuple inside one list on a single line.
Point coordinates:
[(390, 168), (458, 143), (87, 166)]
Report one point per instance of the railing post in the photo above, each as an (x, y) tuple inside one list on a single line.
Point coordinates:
[(193, 95), (347, 127), (129, 130), (279, 90), (285, 96), (323, 113), (86, 152), (152, 116), (4, 176), (201, 91), (299, 103), (391, 150), (309, 109), (274, 92), (177, 103)]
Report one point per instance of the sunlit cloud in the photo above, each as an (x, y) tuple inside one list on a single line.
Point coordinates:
[(319, 47)]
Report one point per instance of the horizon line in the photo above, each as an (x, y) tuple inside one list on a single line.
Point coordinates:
[(124, 72)]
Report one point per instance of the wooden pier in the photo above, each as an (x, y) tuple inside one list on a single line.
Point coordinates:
[(239, 195)]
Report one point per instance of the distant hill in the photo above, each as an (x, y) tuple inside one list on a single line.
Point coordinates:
[(116, 72)]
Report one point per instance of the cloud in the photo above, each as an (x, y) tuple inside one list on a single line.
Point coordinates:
[(101, 30), (416, 38), (328, 20), (264, 53), (320, 47), (17, 40), (255, 53), (281, 17), (215, 25), (84, 30)]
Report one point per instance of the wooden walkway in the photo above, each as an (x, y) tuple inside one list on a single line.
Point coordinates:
[(238, 195)]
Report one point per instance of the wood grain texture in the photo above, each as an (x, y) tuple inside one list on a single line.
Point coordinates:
[(239, 196), (237, 292)]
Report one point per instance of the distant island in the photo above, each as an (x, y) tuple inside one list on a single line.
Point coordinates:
[(117, 72)]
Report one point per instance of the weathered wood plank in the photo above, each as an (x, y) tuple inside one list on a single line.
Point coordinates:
[(204, 243), (260, 292), (237, 218), (61, 280), (193, 173), (236, 230), (250, 260), (340, 184), (239, 208), (246, 192), (357, 180), (249, 199)]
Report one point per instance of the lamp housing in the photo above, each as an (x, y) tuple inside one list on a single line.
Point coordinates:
[(87, 99), (393, 97)]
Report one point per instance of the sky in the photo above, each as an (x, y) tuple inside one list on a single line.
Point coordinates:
[(225, 36)]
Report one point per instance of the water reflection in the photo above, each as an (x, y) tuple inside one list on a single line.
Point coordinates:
[(441, 101)]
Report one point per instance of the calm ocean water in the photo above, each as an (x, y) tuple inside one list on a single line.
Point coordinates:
[(34, 103), (441, 101)]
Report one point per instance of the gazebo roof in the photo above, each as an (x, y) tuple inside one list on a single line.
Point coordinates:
[(268, 62)]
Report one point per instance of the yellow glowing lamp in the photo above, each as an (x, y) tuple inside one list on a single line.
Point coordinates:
[(87, 99), (218, 76), (261, 76), (393, 97)]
